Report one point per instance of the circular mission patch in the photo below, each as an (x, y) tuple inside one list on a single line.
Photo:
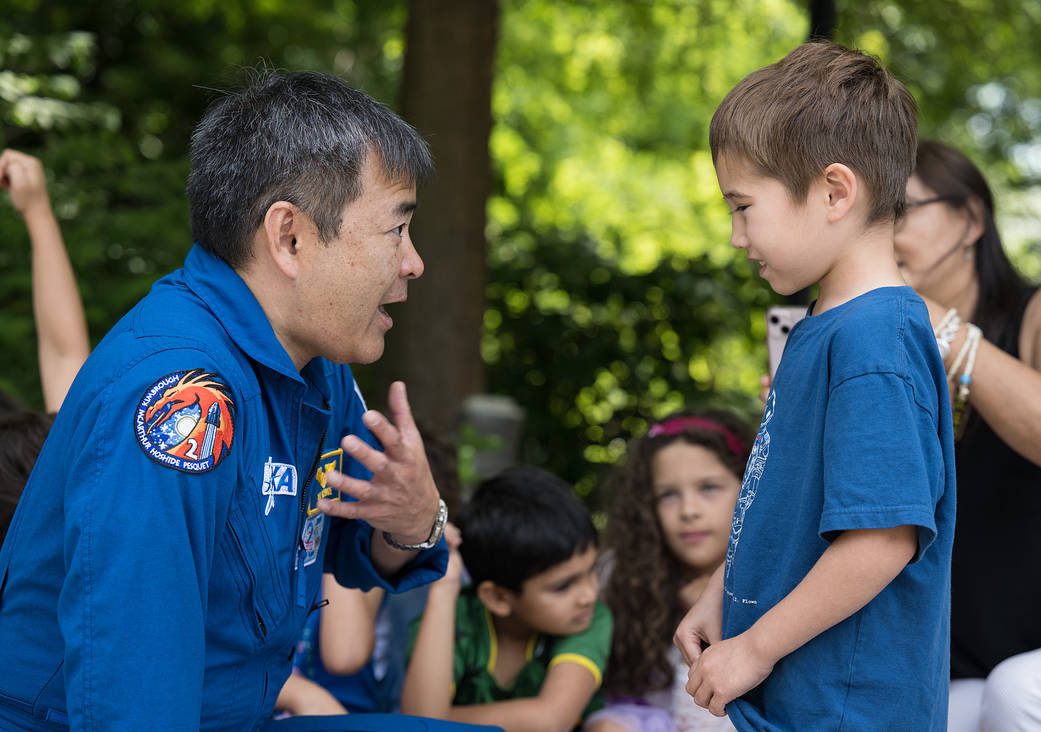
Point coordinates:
[(186, 421)]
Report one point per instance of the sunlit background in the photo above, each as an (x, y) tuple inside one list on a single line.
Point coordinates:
[(612, 296)]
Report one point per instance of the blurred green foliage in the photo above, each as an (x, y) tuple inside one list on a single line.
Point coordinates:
[(106, 93), (613, 294)]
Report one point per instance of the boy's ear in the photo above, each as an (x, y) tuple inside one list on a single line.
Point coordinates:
[(841, 188), (498, 600), (278, 236)]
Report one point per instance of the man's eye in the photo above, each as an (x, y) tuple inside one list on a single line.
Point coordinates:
[(399, 229)]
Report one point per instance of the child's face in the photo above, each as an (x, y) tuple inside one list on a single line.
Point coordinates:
[(784, 238), (560, 600), (694, 495)]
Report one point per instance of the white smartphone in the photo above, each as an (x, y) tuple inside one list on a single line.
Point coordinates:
[(779, 322)]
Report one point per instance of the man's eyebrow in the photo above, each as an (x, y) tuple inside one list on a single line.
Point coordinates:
[(406, 207)]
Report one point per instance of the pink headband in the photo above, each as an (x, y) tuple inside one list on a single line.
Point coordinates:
[(677, 425)]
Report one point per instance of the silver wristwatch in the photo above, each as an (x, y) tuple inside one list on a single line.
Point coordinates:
[(435, 532)]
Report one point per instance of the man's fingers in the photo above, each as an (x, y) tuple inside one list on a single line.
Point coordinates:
[(365, 454), (387, 434), (397, 401), (341, 509), (358, 489)]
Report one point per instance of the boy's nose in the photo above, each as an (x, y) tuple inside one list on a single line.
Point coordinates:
[(737, 239), (590, 588)]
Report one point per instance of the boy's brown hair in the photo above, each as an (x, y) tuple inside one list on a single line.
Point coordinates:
[(823, 104)]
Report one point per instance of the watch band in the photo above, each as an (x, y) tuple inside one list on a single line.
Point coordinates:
[(435, 532)]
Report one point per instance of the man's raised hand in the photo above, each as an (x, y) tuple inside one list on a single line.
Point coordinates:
[(401, 497)]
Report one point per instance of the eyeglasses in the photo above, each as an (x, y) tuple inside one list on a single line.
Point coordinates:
[(926, 201), (910, 206)]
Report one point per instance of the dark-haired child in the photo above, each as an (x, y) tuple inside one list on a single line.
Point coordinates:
[(22, 434), (525, 645), (831, 610), (667, 533)]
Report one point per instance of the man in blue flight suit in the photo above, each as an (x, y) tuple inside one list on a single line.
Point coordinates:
[(214, 453)]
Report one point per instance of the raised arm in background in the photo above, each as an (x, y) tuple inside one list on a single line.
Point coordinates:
[(61, 326)]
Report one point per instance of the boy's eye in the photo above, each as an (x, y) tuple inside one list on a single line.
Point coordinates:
[(739, 209), (666, 495), (562, 586), (709, 487)]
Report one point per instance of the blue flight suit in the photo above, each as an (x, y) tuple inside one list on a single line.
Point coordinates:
[(167, 549)]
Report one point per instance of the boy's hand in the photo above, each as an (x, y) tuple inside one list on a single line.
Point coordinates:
[(765, 382), (725, 671), (703, 623), (23, 176)]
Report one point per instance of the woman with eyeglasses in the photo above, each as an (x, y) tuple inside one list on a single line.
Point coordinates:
[(987, 320)]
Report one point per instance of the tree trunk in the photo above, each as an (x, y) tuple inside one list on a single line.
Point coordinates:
[(446, 94), (823, 19)]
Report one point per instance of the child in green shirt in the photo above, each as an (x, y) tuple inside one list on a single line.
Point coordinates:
[(525, 645)]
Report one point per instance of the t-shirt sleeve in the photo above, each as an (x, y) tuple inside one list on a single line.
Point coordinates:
[(883, 464), (590, 648)]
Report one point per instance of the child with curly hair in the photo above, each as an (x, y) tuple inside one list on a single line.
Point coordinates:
[(673, 505)]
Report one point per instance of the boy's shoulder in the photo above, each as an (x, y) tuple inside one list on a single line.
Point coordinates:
[(589, 647), (882, 331)]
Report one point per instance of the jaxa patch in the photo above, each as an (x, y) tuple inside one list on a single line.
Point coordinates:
[(332, 460), (186, 421), (279, 480), (311, 538)]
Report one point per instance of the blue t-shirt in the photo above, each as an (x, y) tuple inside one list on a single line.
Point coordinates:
[(856, 435)]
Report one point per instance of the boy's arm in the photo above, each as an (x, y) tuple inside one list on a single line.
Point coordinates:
[(564, 695), (61, 326), (853, 570), (347, 630), (427, 691)]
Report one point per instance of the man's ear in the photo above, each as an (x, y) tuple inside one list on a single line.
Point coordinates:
[(498, 600), (841, 188), (282, 223)]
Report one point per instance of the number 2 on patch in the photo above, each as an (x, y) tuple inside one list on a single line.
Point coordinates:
[(193, 451)]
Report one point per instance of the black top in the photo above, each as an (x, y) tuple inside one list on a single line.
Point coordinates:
[(996, 567)]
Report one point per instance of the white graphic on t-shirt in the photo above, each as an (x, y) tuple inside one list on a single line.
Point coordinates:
[(750, 483)]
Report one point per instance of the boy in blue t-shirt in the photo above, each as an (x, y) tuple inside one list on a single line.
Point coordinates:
[(831, 609)]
